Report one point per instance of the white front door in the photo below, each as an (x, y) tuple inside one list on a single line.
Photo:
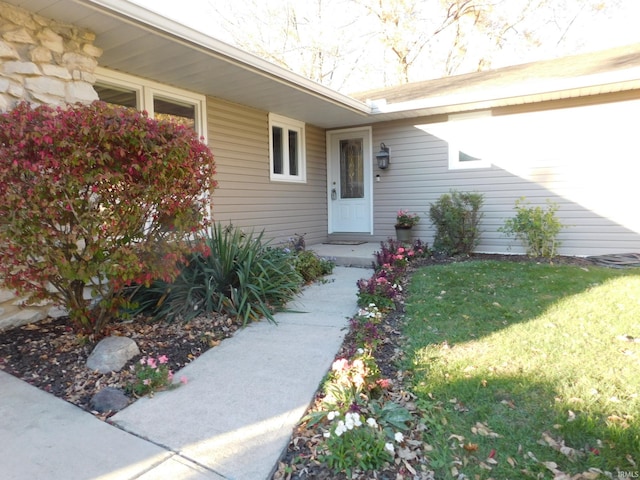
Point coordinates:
[(349, 181)]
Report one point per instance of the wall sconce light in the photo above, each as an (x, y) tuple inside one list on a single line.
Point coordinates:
[(383, 157)]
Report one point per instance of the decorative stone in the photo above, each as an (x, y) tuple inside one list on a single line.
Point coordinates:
[(109, 399), (8, 52), (111, 354), (5, 103), (44, 99), (21, 317), (80, 92), (22, 68), (75, 61), (56, 71), (45, 85), (40, 55), (16, 90), (19, 36), (51, 40), (92, 50), (18, 16), (6, 295)]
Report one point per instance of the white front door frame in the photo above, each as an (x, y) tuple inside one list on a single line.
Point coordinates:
[(333, 174)]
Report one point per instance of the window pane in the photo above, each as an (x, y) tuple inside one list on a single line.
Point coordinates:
[(182, 113), (464, 157), (276, 134), (117, 95), (293, 152), (351, 169)]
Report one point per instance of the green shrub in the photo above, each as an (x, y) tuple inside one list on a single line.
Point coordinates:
[(241, 276), (456, 216), (310, 266), (535, 227), (96, 197)]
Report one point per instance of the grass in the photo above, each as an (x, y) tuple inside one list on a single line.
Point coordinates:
[(526, 370)]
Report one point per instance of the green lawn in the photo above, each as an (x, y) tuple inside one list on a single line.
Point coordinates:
[(526, 370)]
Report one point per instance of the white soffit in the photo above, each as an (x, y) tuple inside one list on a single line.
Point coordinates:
[(143, 43)]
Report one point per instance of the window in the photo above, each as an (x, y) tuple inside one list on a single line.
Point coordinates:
[(467, 143), (160, 101), (286, 149)]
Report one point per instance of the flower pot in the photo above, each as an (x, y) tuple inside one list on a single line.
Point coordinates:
[(403, 234)]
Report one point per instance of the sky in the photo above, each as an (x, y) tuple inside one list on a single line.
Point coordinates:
[(585, 34)]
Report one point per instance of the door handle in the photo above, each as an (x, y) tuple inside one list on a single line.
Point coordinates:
[(334, 194)]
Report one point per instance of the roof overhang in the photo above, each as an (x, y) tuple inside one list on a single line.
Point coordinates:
[(579, 76), (140, 42)]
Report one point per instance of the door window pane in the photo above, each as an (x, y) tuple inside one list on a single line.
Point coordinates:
[(351, 169)]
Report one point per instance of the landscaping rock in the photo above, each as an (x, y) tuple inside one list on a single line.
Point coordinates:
[(111, 354), (109, 399)]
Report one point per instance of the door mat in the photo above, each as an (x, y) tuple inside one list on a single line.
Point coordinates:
[(344, 242)]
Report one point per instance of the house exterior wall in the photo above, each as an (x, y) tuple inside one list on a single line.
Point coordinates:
[(43, 61), (245, 196), (583, 158)]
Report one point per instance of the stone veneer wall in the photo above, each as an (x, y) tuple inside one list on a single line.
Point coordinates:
[(43, 61)]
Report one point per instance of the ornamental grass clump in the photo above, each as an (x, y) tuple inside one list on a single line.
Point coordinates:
[(94, 198), (241, 275)]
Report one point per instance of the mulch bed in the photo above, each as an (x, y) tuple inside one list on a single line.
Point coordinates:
[(52, 357)]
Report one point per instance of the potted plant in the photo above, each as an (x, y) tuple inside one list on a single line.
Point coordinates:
[(404, 223)]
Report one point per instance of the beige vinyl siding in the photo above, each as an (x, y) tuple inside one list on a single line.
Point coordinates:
[(585, 159), (245, 196)]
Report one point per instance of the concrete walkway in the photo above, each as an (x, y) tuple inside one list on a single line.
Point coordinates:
[(232, 420)]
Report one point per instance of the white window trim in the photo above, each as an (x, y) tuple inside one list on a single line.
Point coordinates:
[(146, 90), (288, 124), (454, 148)]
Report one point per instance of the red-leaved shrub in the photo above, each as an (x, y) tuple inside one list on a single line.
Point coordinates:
[(96, 196)]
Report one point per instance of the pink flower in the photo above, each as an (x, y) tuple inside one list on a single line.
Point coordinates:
[(384, 382), (401, 250), (163, 359), (147, 381), (340, 365), (170, 375), (152, 362), (183, 380)]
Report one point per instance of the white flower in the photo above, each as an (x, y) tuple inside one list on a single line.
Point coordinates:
[(361, 351), (389, 447), (341, 428), (332, 415), (326, 434), (352, 419), (399, 437), (372, 422)]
